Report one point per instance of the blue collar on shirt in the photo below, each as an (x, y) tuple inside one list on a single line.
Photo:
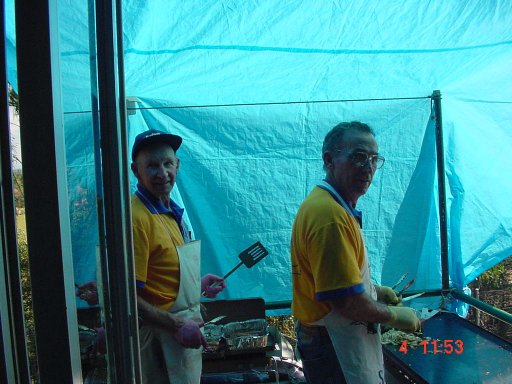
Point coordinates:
[(358, 215), (156, 206)]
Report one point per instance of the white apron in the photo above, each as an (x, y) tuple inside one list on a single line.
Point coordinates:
[(357, 344), (183, 365)]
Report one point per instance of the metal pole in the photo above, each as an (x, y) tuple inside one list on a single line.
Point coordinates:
[(477, 311), (493, 311), (443, 228), (117, 262)]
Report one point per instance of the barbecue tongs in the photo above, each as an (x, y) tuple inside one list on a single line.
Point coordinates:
[(406, 286)]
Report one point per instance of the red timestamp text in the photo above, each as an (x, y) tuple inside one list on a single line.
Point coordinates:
[(436, 346)]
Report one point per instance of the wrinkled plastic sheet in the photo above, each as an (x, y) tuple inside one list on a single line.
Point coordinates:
[(250, 158)]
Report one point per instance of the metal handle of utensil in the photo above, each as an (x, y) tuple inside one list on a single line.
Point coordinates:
[(219, 282), (413, 296), (400, 280), (233, 270), (215, 320), (406, 286)]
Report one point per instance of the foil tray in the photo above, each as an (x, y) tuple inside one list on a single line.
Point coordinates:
[(248, 334), (237, 336), (213, 335), (247, 342)]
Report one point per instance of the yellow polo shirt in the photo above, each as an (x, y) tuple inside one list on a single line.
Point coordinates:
[(157, 268), (327, 254)]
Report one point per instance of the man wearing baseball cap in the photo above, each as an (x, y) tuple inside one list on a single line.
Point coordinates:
[(167, 267)]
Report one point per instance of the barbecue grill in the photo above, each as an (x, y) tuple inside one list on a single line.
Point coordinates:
[(260, 364), (481, 358)]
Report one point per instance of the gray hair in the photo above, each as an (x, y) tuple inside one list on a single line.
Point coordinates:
[(335, 136)]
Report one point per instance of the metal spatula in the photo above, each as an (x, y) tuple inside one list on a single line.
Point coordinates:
[(249, 257)]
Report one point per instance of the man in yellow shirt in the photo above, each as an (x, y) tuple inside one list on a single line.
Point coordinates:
[(334, 300), (167, 267)]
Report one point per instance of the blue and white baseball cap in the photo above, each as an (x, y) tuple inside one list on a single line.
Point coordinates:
[(155, 136)]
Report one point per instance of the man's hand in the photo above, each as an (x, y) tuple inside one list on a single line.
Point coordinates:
[(189, 335), (387, 295), (404, 318), (211, 285)]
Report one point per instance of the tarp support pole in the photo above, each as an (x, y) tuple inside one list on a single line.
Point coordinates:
[(443, 228), (493, 311)]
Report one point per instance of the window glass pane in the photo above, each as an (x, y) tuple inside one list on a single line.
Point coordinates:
[(79, 94)]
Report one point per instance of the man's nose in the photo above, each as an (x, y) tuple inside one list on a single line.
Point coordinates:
[(368, 166), (160, 171)]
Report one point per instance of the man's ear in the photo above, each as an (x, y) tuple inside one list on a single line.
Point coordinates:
[(135, 170), (178, 164), (328, 159)]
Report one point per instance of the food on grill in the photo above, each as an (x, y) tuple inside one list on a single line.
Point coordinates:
[(245, 328), (246, 334), (213, 335), (396, 337), (236, 336)]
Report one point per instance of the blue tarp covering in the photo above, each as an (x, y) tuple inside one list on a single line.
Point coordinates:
[(253, 87)]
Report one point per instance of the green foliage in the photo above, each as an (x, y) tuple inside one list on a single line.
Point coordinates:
[(494, 289), (19, 196), (285, 324), (494, 278), (27, 303), (497, 277)]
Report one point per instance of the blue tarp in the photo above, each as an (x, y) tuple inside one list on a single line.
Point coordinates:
[(253, 87)]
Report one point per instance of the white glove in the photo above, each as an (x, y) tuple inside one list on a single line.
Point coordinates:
[(404, 318), (388, 295)]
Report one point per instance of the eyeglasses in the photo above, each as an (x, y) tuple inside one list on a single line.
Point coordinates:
[(360, 159)]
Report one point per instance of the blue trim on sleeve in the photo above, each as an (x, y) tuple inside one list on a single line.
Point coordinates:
[(348, 291), (140, 284)]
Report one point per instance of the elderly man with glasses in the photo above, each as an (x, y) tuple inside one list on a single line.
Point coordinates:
[(338, 309)]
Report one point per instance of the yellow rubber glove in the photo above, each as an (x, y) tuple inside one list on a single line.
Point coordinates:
[(388, 296), (404, 318)]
